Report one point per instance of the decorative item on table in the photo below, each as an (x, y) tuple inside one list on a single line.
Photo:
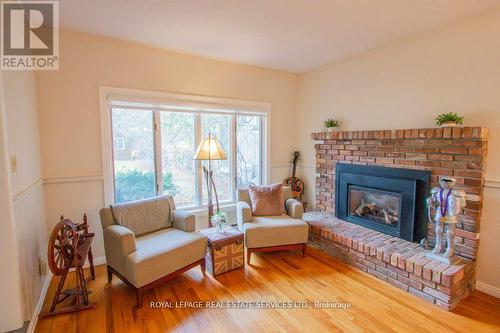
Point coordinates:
[(448, 203), (210, 150), (69, 247), (330, 124), (449, 120), (219, 221)]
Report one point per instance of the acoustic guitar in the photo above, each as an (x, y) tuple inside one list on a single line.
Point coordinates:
[(295, 183)]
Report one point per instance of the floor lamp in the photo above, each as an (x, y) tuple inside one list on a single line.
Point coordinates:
[(209, 150)]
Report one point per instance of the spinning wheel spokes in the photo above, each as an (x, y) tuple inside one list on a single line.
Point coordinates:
[(61, 247)]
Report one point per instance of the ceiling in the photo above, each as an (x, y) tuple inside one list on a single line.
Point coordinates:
[(290, 35)]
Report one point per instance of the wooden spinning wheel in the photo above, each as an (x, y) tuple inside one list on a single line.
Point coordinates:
[(68, 248), (62, 242)]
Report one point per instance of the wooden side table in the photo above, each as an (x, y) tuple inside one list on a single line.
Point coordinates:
[(225, 250)]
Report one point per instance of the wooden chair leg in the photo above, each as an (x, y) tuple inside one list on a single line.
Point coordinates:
[(203, 266), (249, 255), (140, 297), (110, 273), (304, 250)]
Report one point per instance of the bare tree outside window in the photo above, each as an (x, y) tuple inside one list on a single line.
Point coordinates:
[(178, 147), (248, 151)]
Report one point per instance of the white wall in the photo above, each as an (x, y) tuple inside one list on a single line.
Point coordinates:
[(28, 241), (10, 307), (69, 110), (405, 85)]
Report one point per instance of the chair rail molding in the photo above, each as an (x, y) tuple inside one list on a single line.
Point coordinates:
[(72, 179), (22, 194), (492, 183)]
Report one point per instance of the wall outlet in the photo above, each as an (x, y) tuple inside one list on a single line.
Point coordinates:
[(42, 267), (13, 164)]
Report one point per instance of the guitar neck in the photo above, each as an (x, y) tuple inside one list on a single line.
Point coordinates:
[(294, 169)]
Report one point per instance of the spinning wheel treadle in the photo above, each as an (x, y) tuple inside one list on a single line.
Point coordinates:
[(69, 245)]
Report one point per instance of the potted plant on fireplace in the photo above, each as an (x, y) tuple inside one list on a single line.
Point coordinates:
[(449, 120), (330, 124)]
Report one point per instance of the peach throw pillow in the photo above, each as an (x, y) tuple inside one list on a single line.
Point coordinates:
[(267, 200)]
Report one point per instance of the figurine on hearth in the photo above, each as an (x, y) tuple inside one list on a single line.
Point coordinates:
[(448, 204)]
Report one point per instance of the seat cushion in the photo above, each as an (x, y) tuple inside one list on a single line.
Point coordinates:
[(267, 231), (161, 253)]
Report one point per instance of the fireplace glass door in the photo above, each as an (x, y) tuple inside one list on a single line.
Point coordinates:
[(375, 205)]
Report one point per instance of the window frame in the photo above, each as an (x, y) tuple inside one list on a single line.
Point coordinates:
[(162, 101)]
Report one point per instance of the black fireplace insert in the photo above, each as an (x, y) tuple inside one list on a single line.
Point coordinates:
[(389, 200)]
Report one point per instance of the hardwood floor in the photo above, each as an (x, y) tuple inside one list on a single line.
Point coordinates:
[(285, 276)]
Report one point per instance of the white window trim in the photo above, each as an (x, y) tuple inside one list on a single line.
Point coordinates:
[(107, 94)]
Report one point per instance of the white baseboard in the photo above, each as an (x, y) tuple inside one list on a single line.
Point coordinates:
[(97, 261), (488, 289), (39, 304)]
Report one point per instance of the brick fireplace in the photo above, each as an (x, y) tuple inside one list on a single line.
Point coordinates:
[(459, 152)]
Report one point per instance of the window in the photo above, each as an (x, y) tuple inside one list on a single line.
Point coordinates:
[(153, 146), (134, 170)]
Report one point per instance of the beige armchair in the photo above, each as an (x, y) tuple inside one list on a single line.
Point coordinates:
[(272, 233), (162, 251)]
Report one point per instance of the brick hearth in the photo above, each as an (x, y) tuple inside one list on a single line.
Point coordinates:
[(459, 152), (396, 261)]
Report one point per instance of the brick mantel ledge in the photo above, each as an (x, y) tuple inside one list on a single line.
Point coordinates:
[(419, 133)]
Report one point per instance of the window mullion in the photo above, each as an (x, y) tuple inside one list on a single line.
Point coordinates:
[(262, 151), (158, 150), (198, 164), (233, 161)]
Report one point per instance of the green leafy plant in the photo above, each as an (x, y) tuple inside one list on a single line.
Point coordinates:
[(221, 216), (449, 117), (136, 184), (331, 123)]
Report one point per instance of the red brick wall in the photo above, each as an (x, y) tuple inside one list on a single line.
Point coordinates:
[(459, 152)]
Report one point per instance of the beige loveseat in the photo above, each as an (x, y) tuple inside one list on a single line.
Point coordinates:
[(272, 233), (158, 243)]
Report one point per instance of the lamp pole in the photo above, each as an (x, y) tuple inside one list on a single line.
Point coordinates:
[(210, 205), (204, 152)]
